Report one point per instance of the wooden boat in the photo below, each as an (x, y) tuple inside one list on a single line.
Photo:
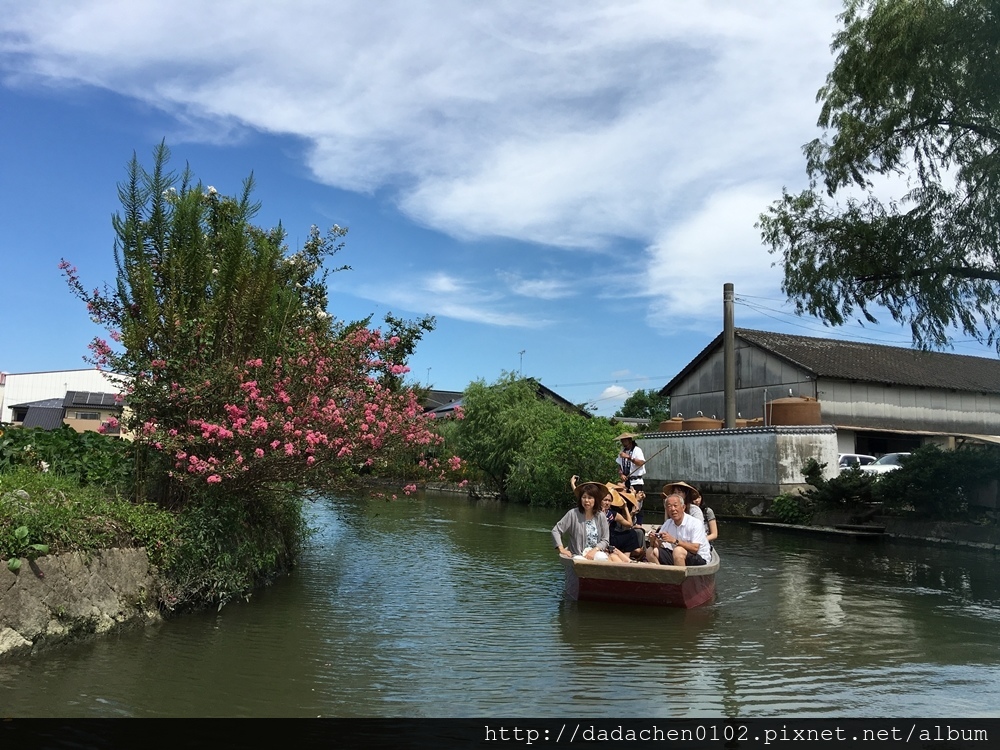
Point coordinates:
[(641, 583)]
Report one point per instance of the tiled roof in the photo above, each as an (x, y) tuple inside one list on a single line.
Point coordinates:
[(45, 403), (850, 360), (873, 363)]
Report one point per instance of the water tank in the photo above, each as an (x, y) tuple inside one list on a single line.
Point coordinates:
[(675, 424), (702, 423), (794, 410)]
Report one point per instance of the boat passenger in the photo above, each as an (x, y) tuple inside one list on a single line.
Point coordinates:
[(626, 532), (681, 540), (621, 535), (711, 525), (585, 525), (634, 497), (689, 493)]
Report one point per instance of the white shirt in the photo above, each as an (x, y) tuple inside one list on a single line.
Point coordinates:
[(633, 472), (691, 530)]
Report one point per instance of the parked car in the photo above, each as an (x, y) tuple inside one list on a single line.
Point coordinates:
[(888, 462), (847, 460)]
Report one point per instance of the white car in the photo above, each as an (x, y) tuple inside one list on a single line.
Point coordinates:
[(847, 460), (888, 462)]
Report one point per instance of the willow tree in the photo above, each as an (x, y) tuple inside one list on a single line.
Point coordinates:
[(912, 99)]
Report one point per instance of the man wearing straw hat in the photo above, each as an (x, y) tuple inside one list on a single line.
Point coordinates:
[(681, 540), (631, 463)]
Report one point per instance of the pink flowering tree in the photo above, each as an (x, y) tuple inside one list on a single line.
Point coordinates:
[(238, 381)]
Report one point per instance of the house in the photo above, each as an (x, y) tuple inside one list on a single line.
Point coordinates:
[(441, 403), (82, 410), (879, 398), (85, 411), (27, 387)]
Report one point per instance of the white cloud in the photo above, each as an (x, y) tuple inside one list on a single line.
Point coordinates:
[(668, 124), (690, 262), (611, 398), (446, 296), (547, 288)]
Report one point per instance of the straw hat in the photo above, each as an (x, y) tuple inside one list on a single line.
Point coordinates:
[(690, 492), (627, 436), (617, 498), (596, 488), (621, 497)]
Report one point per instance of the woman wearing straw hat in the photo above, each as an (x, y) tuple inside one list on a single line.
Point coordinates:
[(625, 533), (622, 539), (585, 525)]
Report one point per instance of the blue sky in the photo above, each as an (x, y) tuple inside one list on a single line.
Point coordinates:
[(566, 188)]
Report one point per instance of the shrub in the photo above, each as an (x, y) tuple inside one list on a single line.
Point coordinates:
[(938, 483), (571, 445), (87, 457), (224, 550), (792, 508), (64, 516), (848, 490)]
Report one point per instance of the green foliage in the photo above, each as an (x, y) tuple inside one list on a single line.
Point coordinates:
[(31, 551), (791, 508), (571, 445), (527, 448), (500, 420), (225, 550), (67, 517), (848, 489), (913, 93), (88, 457), (937, 483), (646, 404)]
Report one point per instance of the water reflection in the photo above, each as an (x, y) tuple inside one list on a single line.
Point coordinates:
[(435, 606)]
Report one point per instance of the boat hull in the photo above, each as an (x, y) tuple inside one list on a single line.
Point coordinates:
[(641, 583)]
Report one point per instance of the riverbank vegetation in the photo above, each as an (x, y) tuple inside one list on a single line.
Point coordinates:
[(66, 491), (242, 393), (524, 447), (931, 483)]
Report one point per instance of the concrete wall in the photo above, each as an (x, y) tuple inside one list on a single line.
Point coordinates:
[(757, 461)]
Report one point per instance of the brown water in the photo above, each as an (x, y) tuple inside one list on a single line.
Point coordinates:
[(437, 607)]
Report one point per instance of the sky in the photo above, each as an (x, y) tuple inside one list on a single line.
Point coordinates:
[(565, 187)]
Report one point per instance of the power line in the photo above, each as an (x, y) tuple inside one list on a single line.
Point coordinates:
[(614, 382), (791, 318)]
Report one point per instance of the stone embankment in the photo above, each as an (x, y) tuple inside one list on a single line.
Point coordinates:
[(59, 598)]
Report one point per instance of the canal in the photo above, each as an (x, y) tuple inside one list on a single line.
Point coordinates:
[(434, 606)]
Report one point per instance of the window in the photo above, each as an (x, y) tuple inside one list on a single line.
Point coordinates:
[(87, 415)]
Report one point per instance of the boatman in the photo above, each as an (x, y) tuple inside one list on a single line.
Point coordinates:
[(681, 540), (631, 463)]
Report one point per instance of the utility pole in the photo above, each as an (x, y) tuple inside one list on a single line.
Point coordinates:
[(729, 354), (520, 364)]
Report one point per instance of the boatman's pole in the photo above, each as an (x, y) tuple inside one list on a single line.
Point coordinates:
[(729, 354)]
